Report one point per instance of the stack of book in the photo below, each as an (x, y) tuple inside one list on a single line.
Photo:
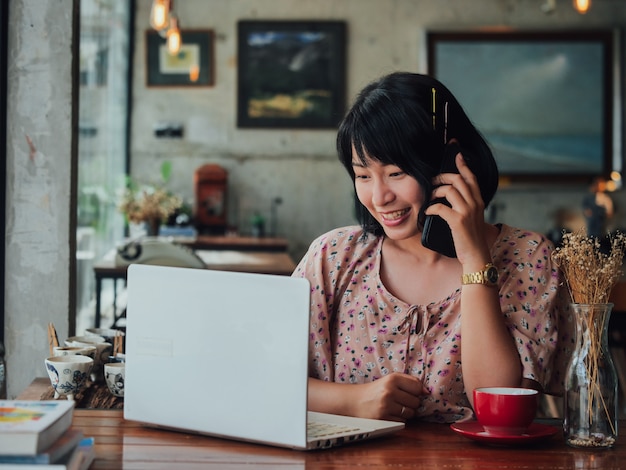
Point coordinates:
[(38, 434)]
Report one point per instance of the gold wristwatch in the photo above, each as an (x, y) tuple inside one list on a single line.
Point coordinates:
[(488, 276)]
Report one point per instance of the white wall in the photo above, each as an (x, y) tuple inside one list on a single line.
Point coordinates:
[(300, 165)]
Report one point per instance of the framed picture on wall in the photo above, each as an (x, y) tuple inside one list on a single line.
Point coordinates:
[(291, 74), (543, 100), (192, 66)]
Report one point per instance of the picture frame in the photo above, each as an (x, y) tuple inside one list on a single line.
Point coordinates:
[(543, 100), (196, 57), (291, 74)]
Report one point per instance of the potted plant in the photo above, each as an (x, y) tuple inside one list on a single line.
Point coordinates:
[(258, 225), (150, 204)]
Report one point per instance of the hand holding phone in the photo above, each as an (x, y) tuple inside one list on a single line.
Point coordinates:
[(436, 234)]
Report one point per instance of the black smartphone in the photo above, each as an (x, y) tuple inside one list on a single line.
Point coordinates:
[(436, 234)]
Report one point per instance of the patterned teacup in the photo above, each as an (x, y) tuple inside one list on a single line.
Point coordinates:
[(89, 351), (103, 351), (114, 375), (68, 374)]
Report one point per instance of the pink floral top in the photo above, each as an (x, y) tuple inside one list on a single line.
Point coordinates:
[(361, 332)]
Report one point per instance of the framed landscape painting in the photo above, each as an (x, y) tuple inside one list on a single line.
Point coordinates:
[(543, 100), (192, 66), (291, 74)]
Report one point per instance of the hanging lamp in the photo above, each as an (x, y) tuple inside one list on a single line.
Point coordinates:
[(160, 14)]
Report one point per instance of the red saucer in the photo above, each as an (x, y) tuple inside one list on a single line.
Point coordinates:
[(473, 430)]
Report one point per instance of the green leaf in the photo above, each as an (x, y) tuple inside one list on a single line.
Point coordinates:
[(166, 171), (129, 183)]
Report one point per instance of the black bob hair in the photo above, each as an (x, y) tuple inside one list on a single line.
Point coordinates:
[(406, 119)]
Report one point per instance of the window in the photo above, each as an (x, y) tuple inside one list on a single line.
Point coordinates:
[(105, 54)]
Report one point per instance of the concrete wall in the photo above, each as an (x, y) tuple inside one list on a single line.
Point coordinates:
[(300, 165), (39, 245)]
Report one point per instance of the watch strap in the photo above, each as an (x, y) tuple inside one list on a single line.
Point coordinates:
[(487, 276)]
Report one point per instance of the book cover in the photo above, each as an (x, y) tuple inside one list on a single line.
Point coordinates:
[(30, 427), (60, 449), (80, 458), (83, 456)]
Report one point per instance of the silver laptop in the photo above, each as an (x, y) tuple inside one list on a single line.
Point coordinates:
[(225, 354)]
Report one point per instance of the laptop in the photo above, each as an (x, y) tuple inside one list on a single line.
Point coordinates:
[(225, 354)]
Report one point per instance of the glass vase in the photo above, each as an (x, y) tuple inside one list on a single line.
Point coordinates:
[(591, 400)]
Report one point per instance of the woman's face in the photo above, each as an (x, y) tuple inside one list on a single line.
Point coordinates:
[(393, 197)]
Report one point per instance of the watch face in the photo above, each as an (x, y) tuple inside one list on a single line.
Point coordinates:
[(492, 275)]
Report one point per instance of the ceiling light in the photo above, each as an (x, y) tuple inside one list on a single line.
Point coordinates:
[(160, 14), (582, 6), (173, 36)]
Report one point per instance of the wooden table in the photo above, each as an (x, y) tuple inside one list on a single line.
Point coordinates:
[(239, 243), (93, 396), (127, 444), (262, 262)]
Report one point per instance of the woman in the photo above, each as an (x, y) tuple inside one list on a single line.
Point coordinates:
[(398, 330)]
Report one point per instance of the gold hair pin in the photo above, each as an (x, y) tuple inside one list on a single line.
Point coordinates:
[(434, 106), (445, 123)]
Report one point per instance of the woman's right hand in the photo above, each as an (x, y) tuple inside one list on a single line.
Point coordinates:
[(394, 397)]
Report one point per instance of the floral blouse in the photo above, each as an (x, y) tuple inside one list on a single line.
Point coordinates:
[(361, 332)]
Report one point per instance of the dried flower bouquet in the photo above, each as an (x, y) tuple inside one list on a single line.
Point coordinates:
[(151, 204), (143, 205), (590, 273)]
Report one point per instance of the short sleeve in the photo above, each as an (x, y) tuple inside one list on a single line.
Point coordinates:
[(529, 294), (311, 268), (327, 269)]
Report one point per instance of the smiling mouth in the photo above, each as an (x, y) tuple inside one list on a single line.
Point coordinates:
[(389, 216)]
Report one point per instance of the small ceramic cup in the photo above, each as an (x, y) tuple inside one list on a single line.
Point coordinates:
[(68, 374), (108, 334), (89, 351), (119, 357), (103, 351), (114, 375), (505, 411), (83, 338)]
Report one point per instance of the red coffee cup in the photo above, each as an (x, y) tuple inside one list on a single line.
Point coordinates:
[(505, 411)]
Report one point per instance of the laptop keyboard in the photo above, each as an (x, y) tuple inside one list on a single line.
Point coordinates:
[(319, 430)]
